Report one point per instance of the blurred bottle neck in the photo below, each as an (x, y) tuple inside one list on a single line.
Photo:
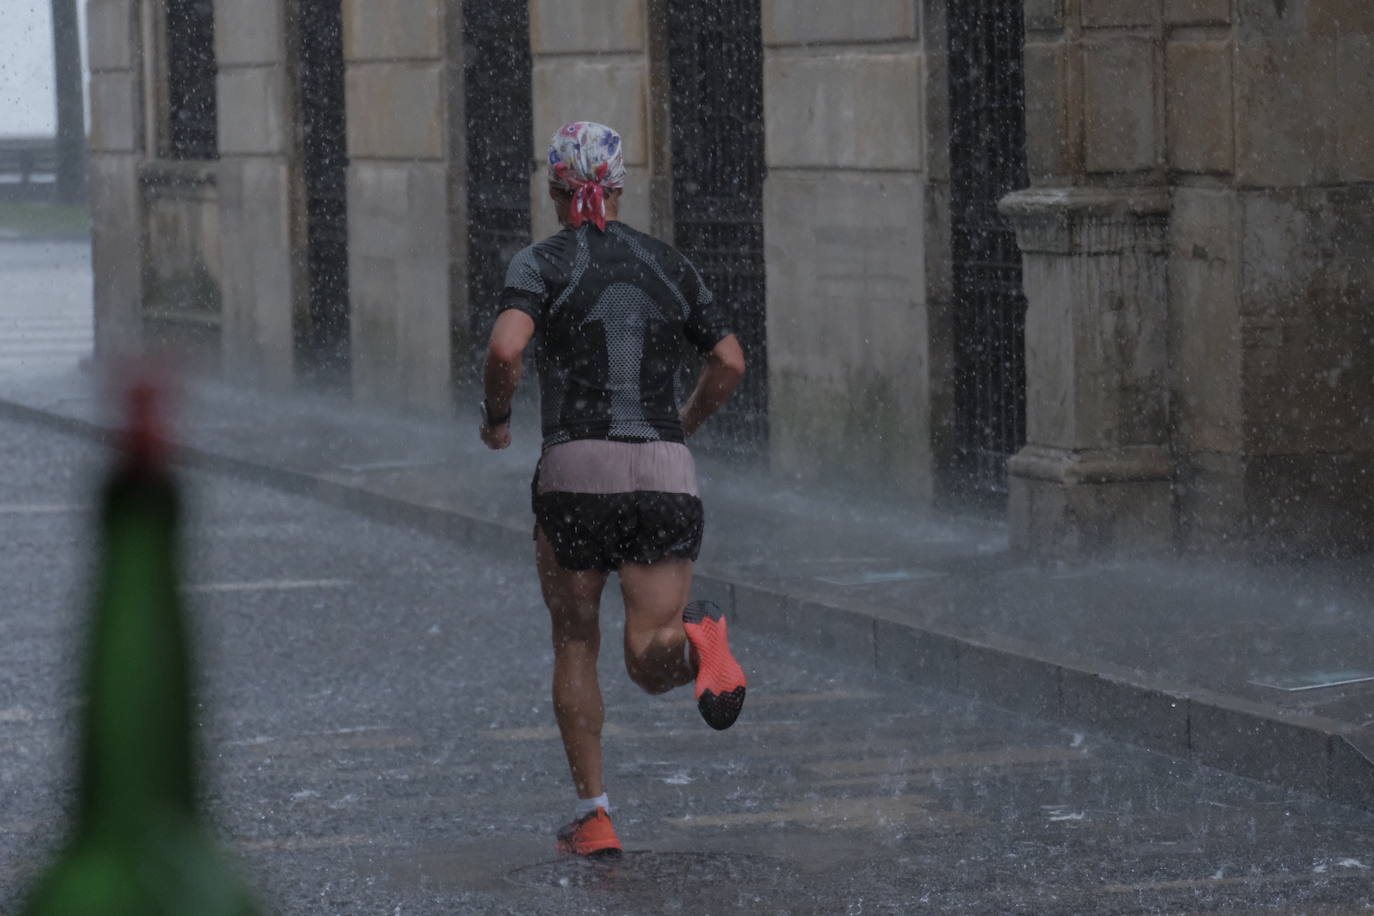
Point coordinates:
[(136, 754)]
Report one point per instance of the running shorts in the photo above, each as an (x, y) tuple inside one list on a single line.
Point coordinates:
[(605, 530), (604, 504)]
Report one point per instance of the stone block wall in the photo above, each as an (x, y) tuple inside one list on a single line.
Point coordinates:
[(116, 150), (593, 61), (183, 271), (856, 234), (1096, 473), (256, 172), (156, 243), (403, 88), (1271, 276), (1199, 237), (1250, 115)]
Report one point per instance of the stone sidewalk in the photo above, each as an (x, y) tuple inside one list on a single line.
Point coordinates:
[(1231, 666)]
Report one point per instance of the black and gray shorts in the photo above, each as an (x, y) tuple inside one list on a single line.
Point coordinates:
[(602, 504)]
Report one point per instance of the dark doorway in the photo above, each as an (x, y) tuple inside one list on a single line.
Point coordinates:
[(191, 129), (322, 331), (988, 159), (500, 138), (715, 66)]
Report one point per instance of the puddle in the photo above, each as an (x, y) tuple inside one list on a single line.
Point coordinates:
[(879, 577), (402, 464)]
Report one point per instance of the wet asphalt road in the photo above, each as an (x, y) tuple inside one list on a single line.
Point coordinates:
[(379, 739)]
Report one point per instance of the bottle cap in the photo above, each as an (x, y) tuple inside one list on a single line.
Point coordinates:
[(144, 436)]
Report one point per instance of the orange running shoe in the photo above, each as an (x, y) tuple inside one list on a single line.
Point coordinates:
[(720, 679), (590, 835)]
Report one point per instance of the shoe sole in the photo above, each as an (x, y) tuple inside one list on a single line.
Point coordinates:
[(720, 710)]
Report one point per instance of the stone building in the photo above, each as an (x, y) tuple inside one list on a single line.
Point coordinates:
[(1104, 265)]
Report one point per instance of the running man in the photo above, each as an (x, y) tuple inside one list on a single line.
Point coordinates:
[(615, 488)]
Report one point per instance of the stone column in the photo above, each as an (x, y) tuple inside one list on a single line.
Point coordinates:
[(856, 241), (1272, 144), (116, 149), (406, 197), (261, 280), (1096, 472), (1259, 109), (1205, 348)]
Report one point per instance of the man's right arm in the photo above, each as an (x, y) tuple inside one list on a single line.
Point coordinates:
[(723, 371), (501, 373)]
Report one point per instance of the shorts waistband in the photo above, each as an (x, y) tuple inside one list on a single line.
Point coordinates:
[(603, 466)]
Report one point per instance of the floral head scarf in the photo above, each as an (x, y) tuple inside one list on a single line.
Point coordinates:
[(586, 158)]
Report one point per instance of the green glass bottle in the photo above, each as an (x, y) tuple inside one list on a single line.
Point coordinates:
[(137, 846)]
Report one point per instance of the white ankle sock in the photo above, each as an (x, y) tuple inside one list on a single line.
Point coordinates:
[(586, 806)]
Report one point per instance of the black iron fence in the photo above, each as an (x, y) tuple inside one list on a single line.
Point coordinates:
[(497, 73), (322, 337), (192, 129), (715, 54), (988, 159)]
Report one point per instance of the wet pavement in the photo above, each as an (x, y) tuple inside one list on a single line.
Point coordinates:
[(1264, 671), (379, 739), (1195, 659)]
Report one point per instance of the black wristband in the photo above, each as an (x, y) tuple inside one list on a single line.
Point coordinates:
[(490, 422)]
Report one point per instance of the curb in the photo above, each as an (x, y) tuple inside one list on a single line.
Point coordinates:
[(1312, 754)]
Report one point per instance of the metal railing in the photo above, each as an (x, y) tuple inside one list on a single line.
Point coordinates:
[(28, 168), (988, 159), (715, 51), (498, 70)]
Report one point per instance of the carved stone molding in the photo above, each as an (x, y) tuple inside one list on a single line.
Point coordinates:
[(1097, 470), (1129, 464), (1087, 221)]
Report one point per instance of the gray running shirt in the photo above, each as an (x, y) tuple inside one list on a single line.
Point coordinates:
[(613, 312)]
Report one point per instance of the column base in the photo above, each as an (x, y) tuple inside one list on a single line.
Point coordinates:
[(1066, 504)]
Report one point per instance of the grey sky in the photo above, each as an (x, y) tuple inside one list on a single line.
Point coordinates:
[(27, 106)]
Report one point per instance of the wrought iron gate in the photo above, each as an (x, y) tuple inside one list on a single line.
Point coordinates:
[(322, 336), (715, 62), (988, 159), (497, 73), (192, 120)]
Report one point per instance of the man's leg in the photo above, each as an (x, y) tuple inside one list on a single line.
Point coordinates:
[(658, 624), (655, 641), (574, 600)]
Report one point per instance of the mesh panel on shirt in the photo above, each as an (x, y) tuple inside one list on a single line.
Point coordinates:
[(523, 273), (624, 310), (643, 254), (618, 311), (581, 261), (554, 390)]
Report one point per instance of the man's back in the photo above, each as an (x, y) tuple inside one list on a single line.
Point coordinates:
[(614, 311)]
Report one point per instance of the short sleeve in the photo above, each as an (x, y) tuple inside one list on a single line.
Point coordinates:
[(525, 289), (707, 324)]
